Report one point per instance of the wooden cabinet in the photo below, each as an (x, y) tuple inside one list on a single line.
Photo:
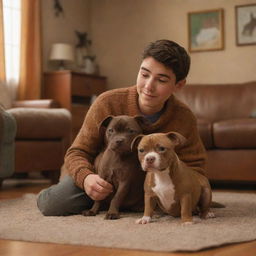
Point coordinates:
[(74, 91)]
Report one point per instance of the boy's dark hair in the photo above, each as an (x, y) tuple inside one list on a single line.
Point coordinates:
[(171, 55)]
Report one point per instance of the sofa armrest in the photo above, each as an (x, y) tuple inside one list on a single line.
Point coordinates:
[(47, 103)]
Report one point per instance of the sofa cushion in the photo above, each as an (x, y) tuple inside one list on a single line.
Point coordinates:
[(220, 102), (205, 131), (35, 123), (237, 133)]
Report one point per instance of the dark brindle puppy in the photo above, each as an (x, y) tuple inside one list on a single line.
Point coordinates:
[(118, 165)]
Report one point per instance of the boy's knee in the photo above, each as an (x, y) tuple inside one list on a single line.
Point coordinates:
[(63, 199), (47, 211), (48, 206)]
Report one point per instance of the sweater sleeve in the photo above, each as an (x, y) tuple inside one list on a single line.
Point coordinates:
[(193, 152), (80, 156)]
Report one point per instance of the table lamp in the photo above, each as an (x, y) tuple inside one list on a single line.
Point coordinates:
[(62, 53)]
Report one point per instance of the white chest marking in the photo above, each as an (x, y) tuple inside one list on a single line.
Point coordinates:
[(164, 188)]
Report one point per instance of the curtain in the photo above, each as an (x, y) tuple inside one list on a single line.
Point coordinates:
[(2, 58), (30, 56)]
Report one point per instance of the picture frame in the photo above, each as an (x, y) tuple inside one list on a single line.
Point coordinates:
[(245, 24), (206, 30)]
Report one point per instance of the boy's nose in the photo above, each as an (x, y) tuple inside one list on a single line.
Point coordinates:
[(149, 85)]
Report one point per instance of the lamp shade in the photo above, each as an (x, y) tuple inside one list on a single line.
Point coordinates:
[(62, 52)]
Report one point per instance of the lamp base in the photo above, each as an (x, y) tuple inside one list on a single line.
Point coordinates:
[(61, 65)]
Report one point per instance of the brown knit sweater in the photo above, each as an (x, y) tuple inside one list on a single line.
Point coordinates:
[(176, 117)]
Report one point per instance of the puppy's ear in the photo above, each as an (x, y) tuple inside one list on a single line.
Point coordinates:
[(104, 124), (176, 138), (136, 142), (142, 121), (106, 121)]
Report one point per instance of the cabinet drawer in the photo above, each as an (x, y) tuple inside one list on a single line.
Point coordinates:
[(87, 86)]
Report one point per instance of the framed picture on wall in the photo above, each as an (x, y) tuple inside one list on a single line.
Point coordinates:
[(245, 24), (206, 30)]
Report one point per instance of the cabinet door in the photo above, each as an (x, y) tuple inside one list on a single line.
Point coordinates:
[(83, 85), (57, 86)]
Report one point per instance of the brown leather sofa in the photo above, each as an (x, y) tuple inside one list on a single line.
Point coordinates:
[(226, 116), (42, 138)]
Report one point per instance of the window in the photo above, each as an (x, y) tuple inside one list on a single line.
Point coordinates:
[(12, 28)]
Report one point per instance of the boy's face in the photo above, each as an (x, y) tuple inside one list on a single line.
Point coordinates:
[(155, 84)]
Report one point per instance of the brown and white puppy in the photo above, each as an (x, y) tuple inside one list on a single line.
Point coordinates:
[(176, 188), (118, 165)]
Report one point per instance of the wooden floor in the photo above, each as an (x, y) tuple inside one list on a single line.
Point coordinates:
[(18, 248)]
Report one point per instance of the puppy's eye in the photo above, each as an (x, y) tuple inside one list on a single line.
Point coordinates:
[(141, 150), (110, 130), (131, 131), (161, 149)]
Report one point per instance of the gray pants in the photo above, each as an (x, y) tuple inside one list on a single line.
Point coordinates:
[(64, 198)]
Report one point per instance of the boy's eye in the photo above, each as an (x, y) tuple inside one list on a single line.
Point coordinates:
[(145, 75), (141, 150), (162, 81)]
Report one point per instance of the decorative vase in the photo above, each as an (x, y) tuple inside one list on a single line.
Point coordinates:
[(89, 66), (81, 53)]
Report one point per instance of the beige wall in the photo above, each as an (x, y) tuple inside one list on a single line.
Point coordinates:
[(120, 30), (61, 29)]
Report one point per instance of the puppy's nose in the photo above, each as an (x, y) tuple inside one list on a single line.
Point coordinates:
[(119, 141), (150, 159)]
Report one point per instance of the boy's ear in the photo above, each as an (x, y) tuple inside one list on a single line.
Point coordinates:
[(179, 85)]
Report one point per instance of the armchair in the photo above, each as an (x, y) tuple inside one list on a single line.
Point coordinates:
[(7, 135), (43, 135)]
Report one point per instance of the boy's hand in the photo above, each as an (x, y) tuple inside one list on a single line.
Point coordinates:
[(97, 188)]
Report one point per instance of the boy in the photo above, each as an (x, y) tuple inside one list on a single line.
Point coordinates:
[(163, 71)]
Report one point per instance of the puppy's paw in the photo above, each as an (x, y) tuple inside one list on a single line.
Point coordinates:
[(112, 216), (144, 220), (210, 215), (187, 223), (88, 213), (207, 215)]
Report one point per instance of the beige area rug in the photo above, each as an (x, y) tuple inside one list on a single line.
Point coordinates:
[(21, 220)]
